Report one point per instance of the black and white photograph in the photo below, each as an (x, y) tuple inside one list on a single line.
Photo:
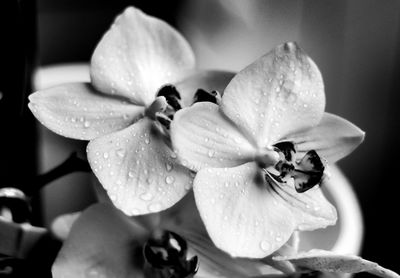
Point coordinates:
[(199, 138)]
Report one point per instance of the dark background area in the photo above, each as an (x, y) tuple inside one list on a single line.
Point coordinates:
[(356, 44)]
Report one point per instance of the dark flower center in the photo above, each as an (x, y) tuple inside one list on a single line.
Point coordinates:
[(204, 96), (167, 251), (305, 173)]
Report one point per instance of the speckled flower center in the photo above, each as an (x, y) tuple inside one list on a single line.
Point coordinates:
[(303, 174)]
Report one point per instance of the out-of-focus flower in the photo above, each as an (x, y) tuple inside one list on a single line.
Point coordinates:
[(328, 262), (103, 242), (258, 153), (126, 109)]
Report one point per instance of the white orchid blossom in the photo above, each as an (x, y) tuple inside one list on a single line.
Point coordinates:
[(258, 153), (126, 108)]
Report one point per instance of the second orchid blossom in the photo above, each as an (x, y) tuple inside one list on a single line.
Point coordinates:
[(260, 154)]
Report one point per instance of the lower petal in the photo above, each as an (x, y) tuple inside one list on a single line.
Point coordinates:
[(242, 216), (184, 219), (327, 261), (138, 169), (78, 111)]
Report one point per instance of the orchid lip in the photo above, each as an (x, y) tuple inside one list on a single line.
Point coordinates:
[(303, 173)]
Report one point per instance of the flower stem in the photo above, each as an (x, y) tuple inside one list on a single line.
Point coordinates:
[(72, 164)]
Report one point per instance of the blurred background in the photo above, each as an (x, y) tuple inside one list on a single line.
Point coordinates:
[(356, 45)]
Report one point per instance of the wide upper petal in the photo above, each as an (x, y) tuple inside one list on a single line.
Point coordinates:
[(280, 93), (327, 261), (333, 138), (204, 137), (247, 216), (77, 110), (103, 242), (138, 55), (138, 169)]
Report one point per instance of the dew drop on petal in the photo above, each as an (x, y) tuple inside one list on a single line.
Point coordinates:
[(105, 155), (168, 166), (265, 246), (211, 153), (131, 174), (86, 124), (147, 196), (169, 179), (154, 207), (120, 153)]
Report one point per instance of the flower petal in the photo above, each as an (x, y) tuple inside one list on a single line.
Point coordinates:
[(184, 219), (62, 225), (327, 261), (203, 137), (208, 80), (247, 216), (103, 242), (138, 169), (310, 209), (76, 110), (242, 216), (138, 55), (333, 138), (279, 93)]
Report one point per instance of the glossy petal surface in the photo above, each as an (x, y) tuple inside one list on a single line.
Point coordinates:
[(247, 216), (103, 242), (327, 261), (203, 137), (333, 138), (184, 218), (77, 110), (138, 55), (280, 93), (240, 213), (138, 170)]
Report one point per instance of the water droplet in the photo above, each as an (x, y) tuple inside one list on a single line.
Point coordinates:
[(146, 196), (86, 124), (265, 246), (154, 207), (168, 166), (278, 238), (169, 179), (211, 153), (120, 153), (147, 140), (131, 174), (105, 155)]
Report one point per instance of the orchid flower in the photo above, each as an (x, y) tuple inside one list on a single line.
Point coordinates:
[(126, 109), (104, 242), (328, 261), (258, 154)]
